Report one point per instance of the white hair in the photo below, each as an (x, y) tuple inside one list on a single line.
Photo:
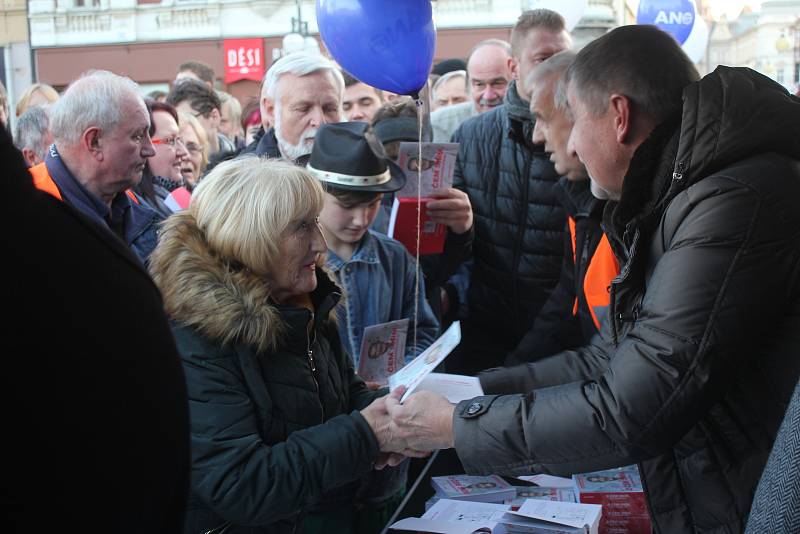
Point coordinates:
[(444, 78), (95, 99), (32, 128), (299, 64)]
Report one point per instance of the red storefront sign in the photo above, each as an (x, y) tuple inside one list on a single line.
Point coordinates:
[(244, 59)]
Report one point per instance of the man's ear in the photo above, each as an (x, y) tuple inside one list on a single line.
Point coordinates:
[(267, 111), (215, 117), (92, 142), (620, 107), (512, 67), (30, 157)]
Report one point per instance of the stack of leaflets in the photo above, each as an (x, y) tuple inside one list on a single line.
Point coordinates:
[(382, 351), (425, 175), (533, 517), (541, 493), (491, 489), (620, 493)]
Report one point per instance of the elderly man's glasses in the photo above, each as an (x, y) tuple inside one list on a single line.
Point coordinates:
[(169, 141)]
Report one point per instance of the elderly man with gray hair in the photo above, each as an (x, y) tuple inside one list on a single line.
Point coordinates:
[(301, 92), (33, 136), (101, 144)]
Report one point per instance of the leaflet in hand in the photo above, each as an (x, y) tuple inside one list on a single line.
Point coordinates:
[(454, 388), (437, 167), (383, 349), (415, 372)]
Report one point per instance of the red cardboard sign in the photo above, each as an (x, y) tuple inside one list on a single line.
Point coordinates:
[(244, 59)]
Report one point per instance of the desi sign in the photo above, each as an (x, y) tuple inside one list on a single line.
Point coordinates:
[(244, 59)]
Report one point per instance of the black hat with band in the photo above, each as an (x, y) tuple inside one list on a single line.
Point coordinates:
[(348, 155)]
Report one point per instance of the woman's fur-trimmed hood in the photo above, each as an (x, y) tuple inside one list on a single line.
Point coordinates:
[(203, 291)]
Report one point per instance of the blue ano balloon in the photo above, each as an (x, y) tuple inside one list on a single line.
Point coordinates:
[(676, 17), (388, 44)]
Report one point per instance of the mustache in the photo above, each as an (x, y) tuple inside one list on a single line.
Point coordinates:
[(494, 102)]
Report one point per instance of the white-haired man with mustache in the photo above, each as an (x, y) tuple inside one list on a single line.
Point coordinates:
[(300, 93)]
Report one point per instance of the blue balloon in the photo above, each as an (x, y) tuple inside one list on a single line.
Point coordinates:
[(676, 17), (388, 44)]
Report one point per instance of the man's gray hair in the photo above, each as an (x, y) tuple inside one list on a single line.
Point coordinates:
[(299, 64), (95, 99), (553, 67), (31, 131), (640, 62), (444, 78)]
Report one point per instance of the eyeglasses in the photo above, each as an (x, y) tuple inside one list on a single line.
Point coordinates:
[(194, 148), (169, 141)]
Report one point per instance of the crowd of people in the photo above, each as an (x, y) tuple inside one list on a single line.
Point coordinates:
[(622, 251)]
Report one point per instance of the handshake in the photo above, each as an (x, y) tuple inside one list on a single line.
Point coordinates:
[(422, 424)]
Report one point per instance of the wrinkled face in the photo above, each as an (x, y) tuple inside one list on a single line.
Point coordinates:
[(295, 272), (552, 128), (593, 141), (360, 102), (192, 163), (126, 148), (489, 74), (453, 91), (170, 149), (535, 47), (347, 224), (303, 104), (227, 127)]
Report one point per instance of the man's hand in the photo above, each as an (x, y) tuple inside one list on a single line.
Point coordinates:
[(377, 416), (451, 208), (423, 423)]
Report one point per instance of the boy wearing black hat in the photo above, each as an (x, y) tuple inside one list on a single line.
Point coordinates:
[(375, 271), (378, 277)]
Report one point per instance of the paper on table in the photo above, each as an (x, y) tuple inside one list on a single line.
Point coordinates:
[(412, 374), (382, 350), (548, 481), (454, 388), (417, 524), (574, 515)]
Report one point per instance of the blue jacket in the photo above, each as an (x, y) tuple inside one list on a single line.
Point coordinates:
[(378, 283)]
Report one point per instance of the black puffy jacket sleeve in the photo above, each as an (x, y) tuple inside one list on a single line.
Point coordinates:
[(719, 263)]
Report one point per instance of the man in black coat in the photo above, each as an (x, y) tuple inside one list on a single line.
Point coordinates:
[(518, 221), (96, 423), (692, 372)]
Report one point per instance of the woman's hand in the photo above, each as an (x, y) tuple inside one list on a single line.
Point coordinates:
[(377, 416)]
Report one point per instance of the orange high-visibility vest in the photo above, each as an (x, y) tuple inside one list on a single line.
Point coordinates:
[(602, 269), (44, 182)]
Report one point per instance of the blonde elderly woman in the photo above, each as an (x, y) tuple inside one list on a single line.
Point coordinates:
[(278, 417), (194, 137), (38, 94)]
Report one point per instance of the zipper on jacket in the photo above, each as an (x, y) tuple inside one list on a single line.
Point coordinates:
[(518, 244), (313, 366)]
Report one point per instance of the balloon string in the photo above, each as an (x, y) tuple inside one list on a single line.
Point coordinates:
[(419, 217)]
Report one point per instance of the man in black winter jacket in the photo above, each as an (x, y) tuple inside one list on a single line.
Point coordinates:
[(692, 373), (579, 303), (518, 221)]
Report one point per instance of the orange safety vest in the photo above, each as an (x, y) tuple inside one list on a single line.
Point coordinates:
[(603, 267), (44, 182)]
